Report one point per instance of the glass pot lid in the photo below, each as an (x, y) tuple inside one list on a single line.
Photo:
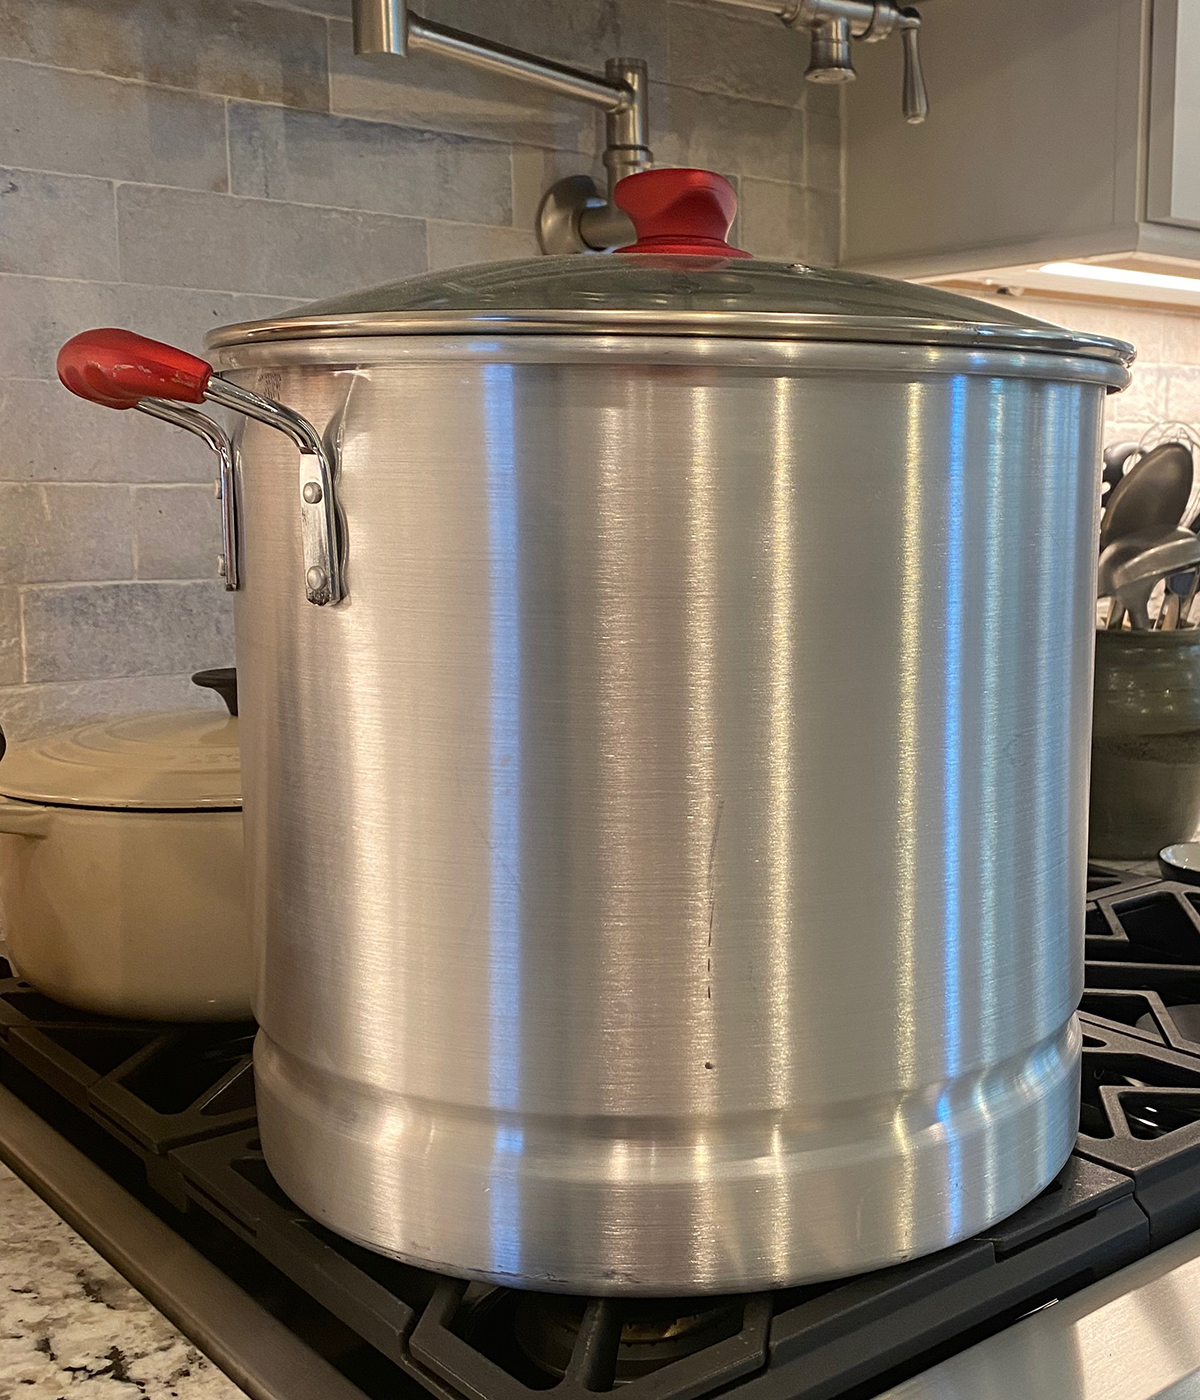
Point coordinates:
[(174, 760), (680, 278)]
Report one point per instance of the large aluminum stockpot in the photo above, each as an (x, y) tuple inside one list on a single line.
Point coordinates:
[(667, 851)]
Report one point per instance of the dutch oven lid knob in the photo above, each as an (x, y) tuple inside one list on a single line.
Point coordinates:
[(679, 211), (222, 679)]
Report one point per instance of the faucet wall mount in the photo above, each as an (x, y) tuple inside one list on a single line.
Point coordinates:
[(574, 215)]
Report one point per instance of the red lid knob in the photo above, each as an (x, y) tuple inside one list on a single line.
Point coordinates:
[(679, 211)]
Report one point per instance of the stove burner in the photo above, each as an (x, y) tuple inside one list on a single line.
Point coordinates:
[(1185, 1016), (654, 1331)]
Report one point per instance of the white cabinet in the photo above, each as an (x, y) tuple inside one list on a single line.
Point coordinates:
[(1173, 167), (1059, 130)]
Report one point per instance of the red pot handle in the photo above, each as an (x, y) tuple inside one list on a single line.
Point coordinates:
[(118, 369), (679, 211), (122, 370)]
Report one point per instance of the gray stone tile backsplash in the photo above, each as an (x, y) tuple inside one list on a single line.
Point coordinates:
[(452, 245), (176, 532), (306, 157), (55, 532), (29, 710), (740, 53), (57, 225), (47, 434), (789, 222), (231, 47), (40, 313), (90, 631), (172, 166), (729, 134), (10, 636), (82, 124), (179, 238)]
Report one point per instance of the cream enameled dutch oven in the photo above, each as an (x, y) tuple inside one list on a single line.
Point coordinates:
[(121, 864)]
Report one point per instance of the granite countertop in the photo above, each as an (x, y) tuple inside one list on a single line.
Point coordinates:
[(71, 1328)]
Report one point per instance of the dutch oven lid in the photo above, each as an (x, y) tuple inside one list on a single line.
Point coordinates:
[(680, 278), (173, 760)]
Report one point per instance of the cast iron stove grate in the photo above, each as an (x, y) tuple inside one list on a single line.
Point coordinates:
[(181, 1100)]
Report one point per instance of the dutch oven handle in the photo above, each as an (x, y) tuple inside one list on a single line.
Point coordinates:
[(122, 370)]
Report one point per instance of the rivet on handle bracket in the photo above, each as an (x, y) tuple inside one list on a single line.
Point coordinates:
[(122, 370)]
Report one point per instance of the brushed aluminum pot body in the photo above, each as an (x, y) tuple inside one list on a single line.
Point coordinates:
[(668, 865)]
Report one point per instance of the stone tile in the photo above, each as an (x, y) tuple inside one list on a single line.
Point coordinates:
[(181, 239), (823, 151), (90, 631), (47, 434), (585, 33), (1145, 401), (1180, 339), (41, 313), (740, 53), (87, 125), (57, 225), (10, 636), (28, 711), (312, 158), (177, 532), (726, 134), (789, 222), (828, 99), (442, 94), (65, 532), (232, 47), (823, 227), (335, 9), (1183, 395), (535, 169), (451, 245)]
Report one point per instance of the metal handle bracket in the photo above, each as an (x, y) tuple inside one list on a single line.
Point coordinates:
[(323, 581)]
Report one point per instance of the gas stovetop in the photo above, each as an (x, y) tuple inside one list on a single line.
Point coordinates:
[(168, 1115)]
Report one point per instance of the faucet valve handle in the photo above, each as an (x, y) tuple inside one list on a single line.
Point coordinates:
[(916, 98)]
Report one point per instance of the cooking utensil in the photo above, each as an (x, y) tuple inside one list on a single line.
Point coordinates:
[(1168, 616), (1181, 862), (1152, 495), (570, 973), (1114, 458), (1188, 598), (1145, 785), (1133, 565), (121, 865), (1177, 595)]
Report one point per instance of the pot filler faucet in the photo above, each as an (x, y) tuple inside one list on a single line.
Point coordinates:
[(574, 216)]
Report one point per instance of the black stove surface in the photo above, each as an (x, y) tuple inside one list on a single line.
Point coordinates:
[(170, 1112)]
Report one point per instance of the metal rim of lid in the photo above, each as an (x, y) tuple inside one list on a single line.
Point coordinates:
[(764, 325)]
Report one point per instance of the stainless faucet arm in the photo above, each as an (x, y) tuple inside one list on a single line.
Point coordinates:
[(574, 216)]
